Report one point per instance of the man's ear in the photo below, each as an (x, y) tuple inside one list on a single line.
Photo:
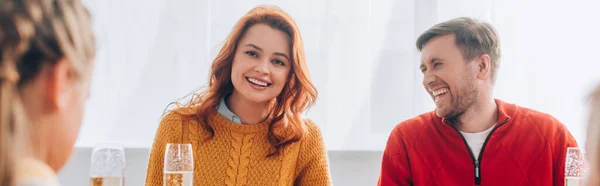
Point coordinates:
[(484, 66)]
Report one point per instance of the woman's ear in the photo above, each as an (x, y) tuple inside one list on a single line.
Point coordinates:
[(59, 85)]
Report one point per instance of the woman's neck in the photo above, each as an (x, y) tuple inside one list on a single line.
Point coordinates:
[(249, 112), (38, 139)]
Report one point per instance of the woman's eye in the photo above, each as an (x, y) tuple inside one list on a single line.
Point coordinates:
[(250, 53), (278, 62)]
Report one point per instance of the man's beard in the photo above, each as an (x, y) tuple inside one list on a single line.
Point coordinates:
[(464, 100)]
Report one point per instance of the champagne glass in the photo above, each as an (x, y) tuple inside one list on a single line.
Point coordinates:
[(179, 165), (108, 165), (575, 167)]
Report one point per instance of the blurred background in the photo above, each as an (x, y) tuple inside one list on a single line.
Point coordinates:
[(362, 59)]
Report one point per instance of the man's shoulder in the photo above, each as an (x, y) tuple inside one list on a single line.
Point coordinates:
[(415, 124), (530, 122), (529, 119), (534, 117)]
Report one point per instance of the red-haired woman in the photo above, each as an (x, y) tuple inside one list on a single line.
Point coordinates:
[(246, 128)]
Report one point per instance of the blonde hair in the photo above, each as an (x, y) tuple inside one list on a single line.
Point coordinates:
[(33, 34), (592, 142)]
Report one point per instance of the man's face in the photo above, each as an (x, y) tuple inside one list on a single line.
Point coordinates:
[(449, 79)]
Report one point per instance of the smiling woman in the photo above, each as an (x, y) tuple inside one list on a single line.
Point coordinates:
[(247, 123), (259, 72)]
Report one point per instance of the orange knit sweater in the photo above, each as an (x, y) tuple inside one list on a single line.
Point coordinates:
[(237, 154)]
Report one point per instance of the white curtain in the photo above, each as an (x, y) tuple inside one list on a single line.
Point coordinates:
[(361, 56)]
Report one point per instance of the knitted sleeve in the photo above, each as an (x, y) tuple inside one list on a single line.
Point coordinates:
[(313, 166), (169, 131)]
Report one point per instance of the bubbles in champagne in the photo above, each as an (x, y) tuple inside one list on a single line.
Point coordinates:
[(107, 181), (178, 178)]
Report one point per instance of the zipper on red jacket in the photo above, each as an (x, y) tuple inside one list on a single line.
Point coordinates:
[(476, 162)]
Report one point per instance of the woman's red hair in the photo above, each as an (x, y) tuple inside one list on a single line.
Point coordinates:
[(297, 95)]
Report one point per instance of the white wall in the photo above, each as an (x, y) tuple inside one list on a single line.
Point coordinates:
[(549, 62), (361, 56)]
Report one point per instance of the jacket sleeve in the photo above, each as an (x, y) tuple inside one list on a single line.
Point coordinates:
[(562, 140), (169, 131), (395, 167)]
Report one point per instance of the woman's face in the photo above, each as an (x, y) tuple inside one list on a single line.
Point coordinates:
[(261, 64)]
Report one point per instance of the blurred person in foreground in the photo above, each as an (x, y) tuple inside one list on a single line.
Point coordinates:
[(592, 143), (47, 50)]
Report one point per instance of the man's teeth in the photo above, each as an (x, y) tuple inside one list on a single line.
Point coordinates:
[(439, 92), (258, 82)]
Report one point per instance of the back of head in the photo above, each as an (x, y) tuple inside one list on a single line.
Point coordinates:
[(592, 143), (34, 34), (473, 38)]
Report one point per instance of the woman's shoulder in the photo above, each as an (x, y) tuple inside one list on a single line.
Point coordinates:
[(176, 116), (312, 144), (37, 183), (170, 127), (33, 172), (313, 132), (180, 124), (170, 119)]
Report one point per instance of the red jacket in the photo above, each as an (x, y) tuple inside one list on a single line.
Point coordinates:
[(526, 147)]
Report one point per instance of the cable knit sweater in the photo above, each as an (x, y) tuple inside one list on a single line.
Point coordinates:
[(237, 154)]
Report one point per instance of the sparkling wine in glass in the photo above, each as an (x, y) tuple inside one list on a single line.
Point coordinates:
[(107, 167), (179, 165), (575, 167)]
